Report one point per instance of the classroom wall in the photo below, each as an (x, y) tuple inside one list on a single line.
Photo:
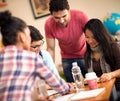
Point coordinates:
[(93, 8)]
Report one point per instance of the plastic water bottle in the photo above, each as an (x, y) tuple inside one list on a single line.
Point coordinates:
[(77, 76)]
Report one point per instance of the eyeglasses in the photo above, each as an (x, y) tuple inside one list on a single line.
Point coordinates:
[(38, 46)]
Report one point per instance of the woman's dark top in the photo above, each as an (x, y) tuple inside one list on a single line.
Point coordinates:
[(116, 58)]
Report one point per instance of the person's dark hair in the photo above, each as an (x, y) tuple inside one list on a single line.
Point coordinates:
[(103, 37), (58, 5), (35, 34), (9, 27)]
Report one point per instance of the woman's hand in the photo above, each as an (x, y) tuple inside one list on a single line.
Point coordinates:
[(106, 77), (110, 75)]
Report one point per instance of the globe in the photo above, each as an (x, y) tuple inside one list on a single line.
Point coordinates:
[(112, 23)]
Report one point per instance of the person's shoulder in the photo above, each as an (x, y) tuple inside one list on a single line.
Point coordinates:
[(46, 55), (75, 10), (78, 13), (30, 54), (49, 19), (115, 45), (118, 43), (45, 52)]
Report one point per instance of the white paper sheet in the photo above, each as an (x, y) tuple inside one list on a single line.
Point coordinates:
[(51, 92), (64, 98), (87, 94)]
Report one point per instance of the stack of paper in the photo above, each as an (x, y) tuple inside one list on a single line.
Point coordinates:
[(87, 94), (51, 92), (80, 95), (64, 98)]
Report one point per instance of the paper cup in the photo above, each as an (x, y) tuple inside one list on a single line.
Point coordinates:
[(91, 80)]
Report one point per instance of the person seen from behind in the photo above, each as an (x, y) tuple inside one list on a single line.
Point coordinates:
[(18, 65)]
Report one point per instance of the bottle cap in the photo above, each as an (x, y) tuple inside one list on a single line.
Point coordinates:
[(74, 64)]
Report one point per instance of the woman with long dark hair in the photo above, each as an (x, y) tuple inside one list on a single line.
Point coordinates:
[(103, 53)]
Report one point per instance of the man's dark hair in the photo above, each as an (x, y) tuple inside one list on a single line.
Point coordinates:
[(58, 5)]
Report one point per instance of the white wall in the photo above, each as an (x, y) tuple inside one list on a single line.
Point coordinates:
[(93, 8)]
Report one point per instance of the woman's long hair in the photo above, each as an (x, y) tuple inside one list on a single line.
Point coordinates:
[(103, 37)]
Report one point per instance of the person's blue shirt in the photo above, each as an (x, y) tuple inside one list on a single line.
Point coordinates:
[(49, 61)]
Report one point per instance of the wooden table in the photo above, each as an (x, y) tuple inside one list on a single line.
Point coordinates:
[(105, 95)]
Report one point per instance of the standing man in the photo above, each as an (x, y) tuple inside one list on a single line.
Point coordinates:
[(66, 26)]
